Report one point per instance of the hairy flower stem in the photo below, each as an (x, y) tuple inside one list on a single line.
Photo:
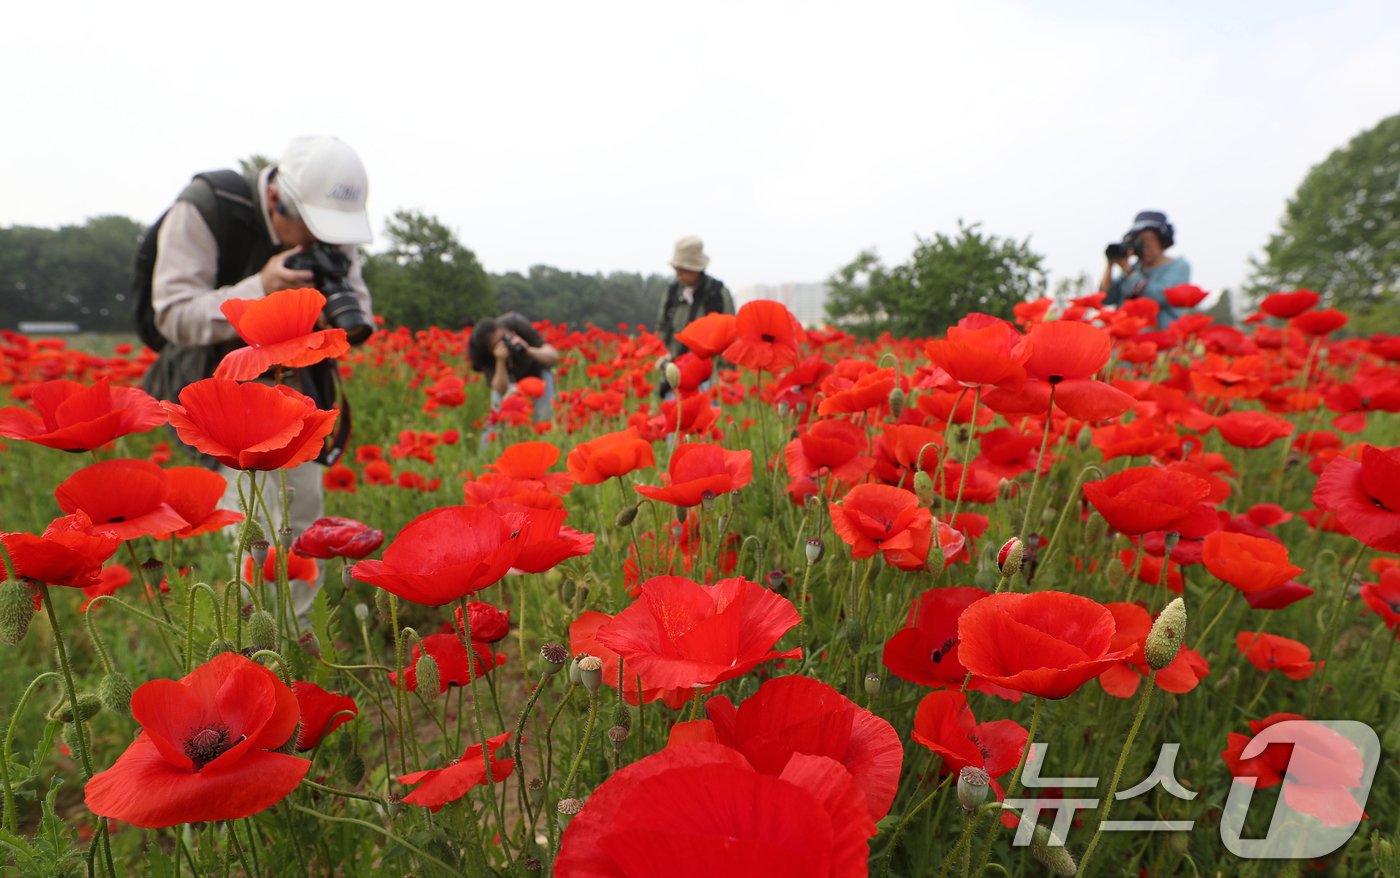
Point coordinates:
[(803, 628), (11, 823), (1039, 465), (365, 824), (1011, 789), (967, 454), (1118, 772), (557, 834), (79, 727), (515, 746), (1325, 655), (904, 824), (465, 633), (1047, 551)]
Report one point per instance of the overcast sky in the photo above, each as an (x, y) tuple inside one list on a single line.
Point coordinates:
[(590, 135)]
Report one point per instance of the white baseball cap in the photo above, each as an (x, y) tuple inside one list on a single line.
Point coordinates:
[(325, 181)]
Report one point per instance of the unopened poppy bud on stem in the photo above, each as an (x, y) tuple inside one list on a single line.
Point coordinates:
[(626, 515), (1095, 528), (973, 785), (1050, 851), (896, 401), (673, 375), (1010, 556), (262, 630), (1164, 640), (16, 611), (115, 691), (383, 606), (88, 707), (251, 533), (426, 670), (923, 487), (221, 645)]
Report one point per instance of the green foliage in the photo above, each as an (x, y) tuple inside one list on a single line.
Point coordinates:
[(427, 277), (51, 852), (1340, 233), (253, 163), (946, 278), (605, 300), (77, 273)]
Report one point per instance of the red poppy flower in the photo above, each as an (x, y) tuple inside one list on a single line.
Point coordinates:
[(68, 553), (441, 786), (1286, 305), (700, 471), (1321, 322), (833, 443), (925, 650), (944, 723), (696, 415), (869, 391), (1150, 498), (379, 472), (322, 712), (1383, 598), (612, 454), (681, 633), (113, 578), (207, 750), (1364, 496), (250, 426), (489, 624), (985, 355), (703, 810), (709, 335), (766, 336), (530, 387), (334, 537), (528, 462), (1065, 355), (280, 329), (1252, 429), (443, 555), (338, 477), (1047, 643), (544, 540), (125, 497), (194, 494), (583, 638), (298, 567), (74, 417), (1321, 767), (1270, 652), (1184, 295), (1246, 562), (885, 519), (452, 664), (695, 370), (1279, 596), (791, 715)]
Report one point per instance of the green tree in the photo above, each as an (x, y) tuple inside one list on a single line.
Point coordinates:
[(1340, 233), (73, 273), (607, 301), (253, 164), (946, 278), (427, 277)]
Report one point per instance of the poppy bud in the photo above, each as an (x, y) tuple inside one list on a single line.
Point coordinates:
[(923, 487), (681, 513), (872, 685), (1116, 575), (852, 633), (426, 670), (1383, 852), (1013, 551), (251, 533), (220, 645), (626, 515), (622, 717), (259, 549), (973, 784), (115, 691), (570, 806), (554, 655), (262, 630), (1050, 851), (590, 671), (362, 612), (310, 642), (88, 707), (1169, 541), (1164, 640), (1095, 529), (346, 577), (354, 769), (618, 735), (1085, 439), (897, 401), (707, 500), (383, 606), (284, 538), (783, 408), (673, 375), (16, 611), (815, 549)]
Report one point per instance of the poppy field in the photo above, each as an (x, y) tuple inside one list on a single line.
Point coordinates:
[(1042, 596)]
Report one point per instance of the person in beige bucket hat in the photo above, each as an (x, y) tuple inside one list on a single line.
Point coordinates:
[(693, 294)]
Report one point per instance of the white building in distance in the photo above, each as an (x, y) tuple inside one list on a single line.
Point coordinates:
[(806, 301)]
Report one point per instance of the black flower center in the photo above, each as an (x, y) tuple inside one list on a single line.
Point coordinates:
[(205, 745), (768, 338), (943, 651)]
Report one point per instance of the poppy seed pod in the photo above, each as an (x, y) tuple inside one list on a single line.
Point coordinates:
[(16, 611), (554, 655), (362, 612), (259, 549), (575, 675), (815, 549), (590, 670), (285, 536), (872, 685), (1050, 852), (1164, 640), (570, 806), (973, 785), (1010, 556), (618, 735)]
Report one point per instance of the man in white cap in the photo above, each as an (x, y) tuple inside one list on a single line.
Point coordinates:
[(691, 295), (230, 236)]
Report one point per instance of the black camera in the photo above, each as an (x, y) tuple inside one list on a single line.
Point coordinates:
[(1123, 249), (329, 264), (515, 345)]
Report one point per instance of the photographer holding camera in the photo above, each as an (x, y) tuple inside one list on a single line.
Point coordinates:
[(1153, 273), (508, 348), (233, 236)]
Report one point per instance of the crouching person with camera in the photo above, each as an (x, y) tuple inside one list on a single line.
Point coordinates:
[(229, 236), (507, 349)]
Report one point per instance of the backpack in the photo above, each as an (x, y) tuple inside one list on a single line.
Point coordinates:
[(225, 200)]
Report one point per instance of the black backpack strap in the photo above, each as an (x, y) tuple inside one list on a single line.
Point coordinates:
[(225, 201)]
